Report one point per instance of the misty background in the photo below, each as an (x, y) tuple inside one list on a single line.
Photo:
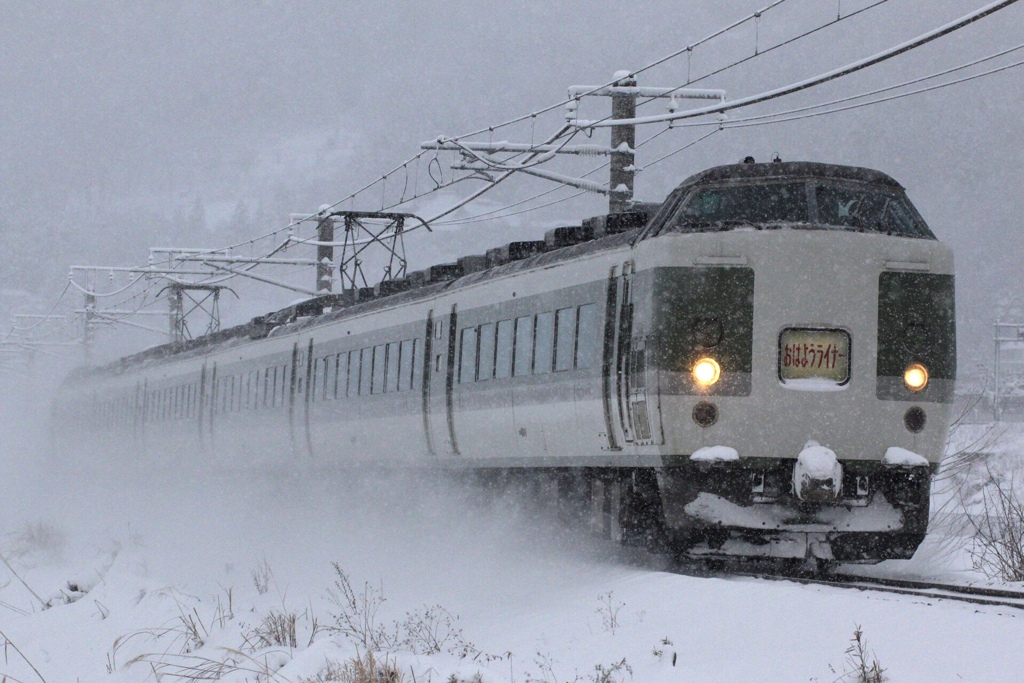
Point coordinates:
[(201, 124)]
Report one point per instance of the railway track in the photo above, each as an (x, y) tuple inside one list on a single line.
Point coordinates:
[(976, 595)]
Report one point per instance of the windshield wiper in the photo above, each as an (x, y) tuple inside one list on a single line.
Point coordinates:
[(723, 224)]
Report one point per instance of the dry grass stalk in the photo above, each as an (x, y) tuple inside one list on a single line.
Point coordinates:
[(357, 618), (8, 641), (366, 668), (278, 628), (997, 547), (863, 666)]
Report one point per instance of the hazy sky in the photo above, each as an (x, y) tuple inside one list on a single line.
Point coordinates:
[(119, 118)]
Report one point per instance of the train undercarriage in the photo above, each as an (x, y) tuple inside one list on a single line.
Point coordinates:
[(745, 509)]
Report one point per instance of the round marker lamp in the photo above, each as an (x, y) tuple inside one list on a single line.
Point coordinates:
[(706, 372), (915, 377)]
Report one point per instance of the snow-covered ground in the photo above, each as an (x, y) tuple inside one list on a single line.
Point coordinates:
[(163, 573)]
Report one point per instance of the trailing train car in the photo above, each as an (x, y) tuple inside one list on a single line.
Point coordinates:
[(760, 366)]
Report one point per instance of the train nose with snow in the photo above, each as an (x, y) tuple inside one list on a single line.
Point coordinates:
[(760, 366), (800, 335)]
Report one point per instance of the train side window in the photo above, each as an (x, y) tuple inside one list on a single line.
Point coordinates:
[(467, 355), (406, 354), (365, 370), (316, 379), (565, 337), (340, 375), (503, 350), (523, 346), (587, 338), (393, 369), (416, 368), (637, 378), (285, 378), (330, 377), (352, 383), (543, 343), (320, 376), (379, 357), (486, 371)]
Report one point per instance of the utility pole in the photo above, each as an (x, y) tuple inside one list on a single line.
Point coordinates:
[(176, 314), (325, 253), (622, 170)]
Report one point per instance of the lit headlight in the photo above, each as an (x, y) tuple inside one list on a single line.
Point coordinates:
[(706, 371), (915, 377)]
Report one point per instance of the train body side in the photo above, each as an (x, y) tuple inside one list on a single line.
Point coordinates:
[(577, 365)]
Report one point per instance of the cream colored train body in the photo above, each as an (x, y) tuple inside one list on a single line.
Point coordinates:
[(814, 297)]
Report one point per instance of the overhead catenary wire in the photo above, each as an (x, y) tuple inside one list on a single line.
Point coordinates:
[(769, 118), (773, 117), (813, 81), (642, 69), (489, 215), (490, 129), (808, 83), (42, 320), (745, 123)]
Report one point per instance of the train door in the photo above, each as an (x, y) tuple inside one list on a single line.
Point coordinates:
[(428, 373), (439, 384), (623, 350), (637, 416), (609, 363), (305, 396)]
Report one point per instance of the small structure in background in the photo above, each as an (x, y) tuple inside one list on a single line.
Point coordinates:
[(1008, 371)]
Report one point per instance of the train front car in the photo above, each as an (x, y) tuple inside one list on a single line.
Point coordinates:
[(798, 325)]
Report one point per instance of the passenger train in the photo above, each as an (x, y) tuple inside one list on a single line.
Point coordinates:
[(760, 366)]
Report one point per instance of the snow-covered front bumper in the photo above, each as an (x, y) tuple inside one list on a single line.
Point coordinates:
[(750, 508)]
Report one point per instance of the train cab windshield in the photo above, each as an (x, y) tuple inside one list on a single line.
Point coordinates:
[(808, 204)]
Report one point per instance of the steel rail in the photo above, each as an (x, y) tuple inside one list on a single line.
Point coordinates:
[(921, 589)]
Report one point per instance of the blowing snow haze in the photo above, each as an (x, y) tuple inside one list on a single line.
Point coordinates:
[(130, 125), (126, 126)]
